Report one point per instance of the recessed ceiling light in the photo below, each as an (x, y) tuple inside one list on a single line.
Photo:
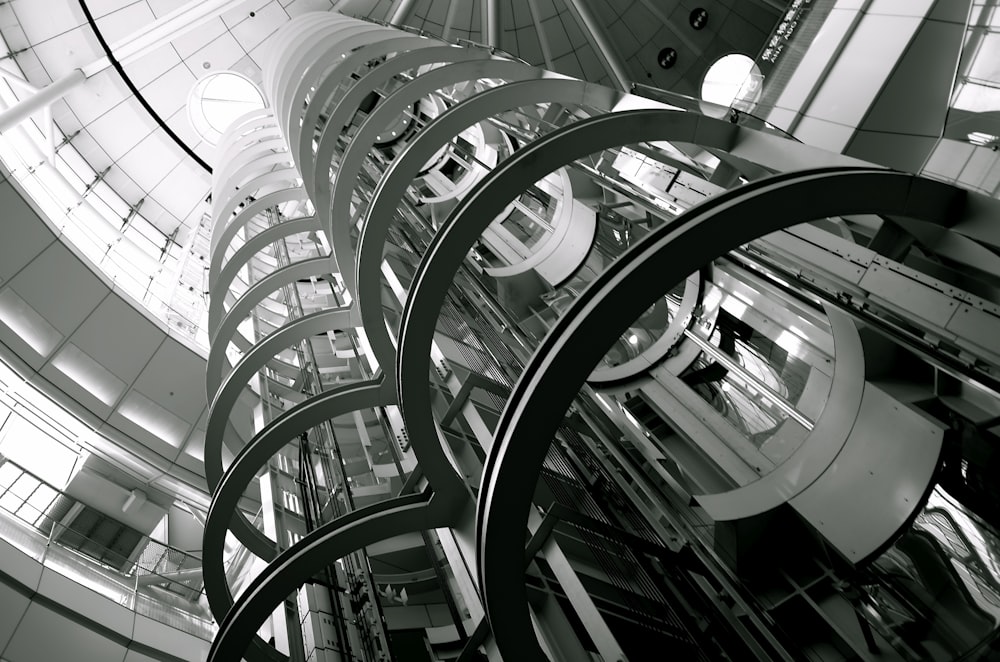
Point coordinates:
[(667, 58)]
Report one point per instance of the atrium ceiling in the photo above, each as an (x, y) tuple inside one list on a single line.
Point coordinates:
[(160, 159)]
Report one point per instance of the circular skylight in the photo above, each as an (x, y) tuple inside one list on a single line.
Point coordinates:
[(733, 78), (218, 99)]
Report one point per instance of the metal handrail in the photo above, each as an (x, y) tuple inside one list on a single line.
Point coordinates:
[(118, 584)]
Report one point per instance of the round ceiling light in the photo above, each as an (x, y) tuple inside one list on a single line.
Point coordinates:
[(217, 99), (733, 80), (667, 58)]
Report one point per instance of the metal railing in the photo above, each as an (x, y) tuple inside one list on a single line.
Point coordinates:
[(146, 581)]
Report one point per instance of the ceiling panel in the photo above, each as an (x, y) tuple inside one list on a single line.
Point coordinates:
[(12, 607), (302, 6), (29, 336), (83, 396), (182, 189), (151, 159), (76, 597), (119, 24), (556, 35), (121, 128), (250, 32), (86, 373), (193, 456), (97, 96), (124, 185), (205, 151), (199, 37), (89, 149), (118, 337), (153, 418), (135, 656), (32, 69), (149, 66), (221, 53), (174, 379), (67, 51), (8, 23), (57, 270), (44, 20), (180, 124), (162, 7), (148, 440), (100, 8), (19, 220), (157, 215), (169, 92), (33, 640)]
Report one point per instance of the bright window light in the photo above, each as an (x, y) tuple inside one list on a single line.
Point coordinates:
[(218, 99), (733, 80), (34, 450)]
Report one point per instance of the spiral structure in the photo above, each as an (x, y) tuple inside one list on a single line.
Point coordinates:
[(432, 266)]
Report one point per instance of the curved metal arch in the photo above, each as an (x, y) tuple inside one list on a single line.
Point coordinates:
[(297, 60), (334, 540), (295, 52), (226, 391), (556, 368), (293, 567), (318, 183), (259, 139), (281, 179), (218, 315), (288, 40), (245, 125), (283, 37), (336, 49), (224, 237), (674, 333), (822, 445), (253, 156), (257, 292), (257, 166), (414, 392), (325, 84), (251, 129), (364, 140), (236, 158), (555, 242), (224, 514), (226, 398), (253, 246), (420, 51)]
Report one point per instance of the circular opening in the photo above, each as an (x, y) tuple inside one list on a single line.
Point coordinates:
[(218, 99), (734, 80)]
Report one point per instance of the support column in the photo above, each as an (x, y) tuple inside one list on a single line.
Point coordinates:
[(401, 11), (599, 40), (490, 12), (40, 100)]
